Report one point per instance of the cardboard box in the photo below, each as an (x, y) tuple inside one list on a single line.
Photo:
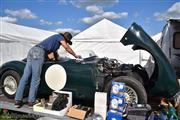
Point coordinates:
[(77, 113)]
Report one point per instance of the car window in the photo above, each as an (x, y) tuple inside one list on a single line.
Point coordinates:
[(177, 40)]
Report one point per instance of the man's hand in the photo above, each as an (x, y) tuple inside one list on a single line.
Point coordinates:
[(68, 49), (51, 56), (78, 56)]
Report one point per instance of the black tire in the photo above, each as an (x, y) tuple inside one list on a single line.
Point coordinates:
[(13, 75), (132, 83), (136, 76)]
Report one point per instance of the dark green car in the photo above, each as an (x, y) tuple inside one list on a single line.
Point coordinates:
[(93, 74)]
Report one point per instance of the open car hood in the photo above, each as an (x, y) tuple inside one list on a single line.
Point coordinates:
[(163, 78)]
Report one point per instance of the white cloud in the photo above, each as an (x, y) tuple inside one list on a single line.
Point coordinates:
[(100, 14), (84, 3), (113, 15), (172, 12), (45, 22), (95, 9), (22, 13), (8, 19), (58, 23), (72, 31), (108, 15)]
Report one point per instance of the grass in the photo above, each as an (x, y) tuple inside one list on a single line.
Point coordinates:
[(11, 115)]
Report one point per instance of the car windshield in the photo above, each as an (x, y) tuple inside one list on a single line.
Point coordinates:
[(84, 54)]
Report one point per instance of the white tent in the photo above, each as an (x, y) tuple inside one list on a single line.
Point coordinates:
[(16, 40), (104, 39), (144, 54)]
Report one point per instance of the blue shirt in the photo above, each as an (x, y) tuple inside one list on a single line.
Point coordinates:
[(52, 43)]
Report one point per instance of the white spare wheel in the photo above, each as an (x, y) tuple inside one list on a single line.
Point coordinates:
[(56, 77)]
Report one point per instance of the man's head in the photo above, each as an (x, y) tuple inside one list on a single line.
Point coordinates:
[(67, 36)]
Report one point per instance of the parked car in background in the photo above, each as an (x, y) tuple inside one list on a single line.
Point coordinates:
[(170, 43)]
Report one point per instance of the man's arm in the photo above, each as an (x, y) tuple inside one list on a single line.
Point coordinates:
[(68, 48)]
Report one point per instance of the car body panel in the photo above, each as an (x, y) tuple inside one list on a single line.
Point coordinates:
[(164, 77), (81, 78), (17, 66)]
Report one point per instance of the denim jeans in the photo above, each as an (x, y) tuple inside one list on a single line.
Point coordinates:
[(35, 60)]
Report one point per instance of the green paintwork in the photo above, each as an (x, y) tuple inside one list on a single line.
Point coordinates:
[(81, 78), (166, 84)]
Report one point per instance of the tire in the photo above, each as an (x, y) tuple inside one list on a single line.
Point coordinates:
[(131, 84), (11, 79), (136, 76)]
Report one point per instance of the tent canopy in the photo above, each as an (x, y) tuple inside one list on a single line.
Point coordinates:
[(105, 31), (16, 40), (17, 33), (104, 39)]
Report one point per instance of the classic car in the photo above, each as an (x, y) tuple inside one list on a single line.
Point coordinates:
[(92, 74)]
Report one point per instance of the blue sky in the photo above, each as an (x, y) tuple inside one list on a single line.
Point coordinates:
[(77, 15)]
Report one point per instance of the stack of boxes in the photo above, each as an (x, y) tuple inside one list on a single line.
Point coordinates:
[(117, 101)]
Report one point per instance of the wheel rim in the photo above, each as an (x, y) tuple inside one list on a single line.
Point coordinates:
[(130, 95), (10, 85)]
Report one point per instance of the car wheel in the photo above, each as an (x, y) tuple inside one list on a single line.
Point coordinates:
[(134, 90), (136, 76), (9, 81)]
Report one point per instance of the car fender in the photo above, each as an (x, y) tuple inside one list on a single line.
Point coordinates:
[(17, 66), (164, 77)]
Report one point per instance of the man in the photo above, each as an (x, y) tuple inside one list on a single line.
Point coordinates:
[(35, 59)]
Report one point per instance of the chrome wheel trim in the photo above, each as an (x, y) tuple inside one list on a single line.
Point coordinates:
[(10, 85), (130, 95)]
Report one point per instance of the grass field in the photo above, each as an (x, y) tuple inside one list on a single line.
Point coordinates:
[(11, 115)]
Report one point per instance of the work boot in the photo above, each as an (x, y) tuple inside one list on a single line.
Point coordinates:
[(30, 104), (18, 104)]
